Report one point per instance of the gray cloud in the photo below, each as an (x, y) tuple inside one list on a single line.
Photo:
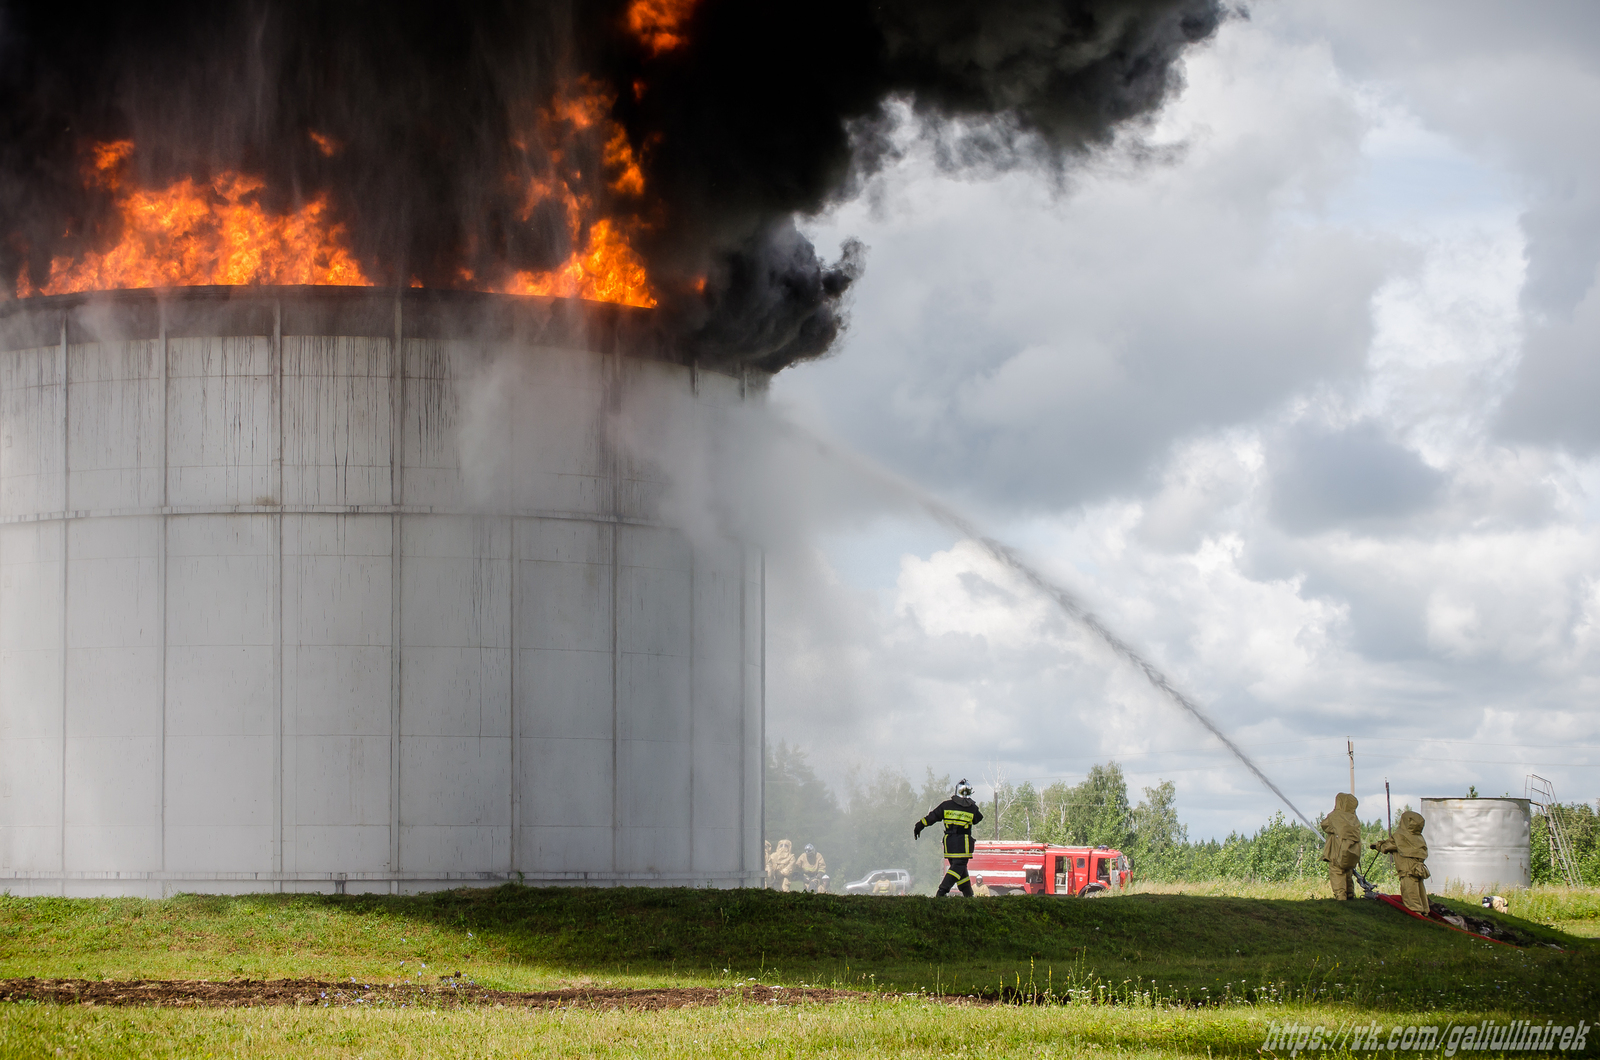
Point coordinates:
[(1557, 392), (1322, 480)]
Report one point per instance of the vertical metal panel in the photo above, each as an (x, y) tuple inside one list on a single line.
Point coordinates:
[(336, 421), (397, 473), (31, 691), (220, 422), (115, 408), (1478, 843), (337, 690), (221, 711), (456, 691), (32, 453), (113, 685)]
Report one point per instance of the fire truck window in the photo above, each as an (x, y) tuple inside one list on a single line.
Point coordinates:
[(1103, 868), (1082, 862)]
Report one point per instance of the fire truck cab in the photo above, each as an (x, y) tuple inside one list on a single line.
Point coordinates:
[(1019, 867)]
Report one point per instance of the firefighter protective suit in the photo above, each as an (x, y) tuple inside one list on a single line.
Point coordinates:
[(1410, 852), (766, 861), (1342, 851), (782, 864), (958, 814), (811, 869)]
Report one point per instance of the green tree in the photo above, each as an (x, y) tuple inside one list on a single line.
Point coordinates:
[(1581, 827), (800, 807), (882, 809)]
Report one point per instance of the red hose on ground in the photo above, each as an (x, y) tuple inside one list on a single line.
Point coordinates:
[(1395, 900)]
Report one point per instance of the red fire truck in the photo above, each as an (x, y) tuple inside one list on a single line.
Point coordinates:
[(1019, 867)]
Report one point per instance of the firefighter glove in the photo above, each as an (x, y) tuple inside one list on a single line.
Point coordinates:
[(916, 830)]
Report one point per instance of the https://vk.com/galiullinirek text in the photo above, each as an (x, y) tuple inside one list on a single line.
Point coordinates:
[(1516, 1036)]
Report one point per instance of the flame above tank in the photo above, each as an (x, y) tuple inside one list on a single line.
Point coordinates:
[(219, 231)]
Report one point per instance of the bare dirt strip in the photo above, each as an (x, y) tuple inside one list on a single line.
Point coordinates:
[(448, 993)]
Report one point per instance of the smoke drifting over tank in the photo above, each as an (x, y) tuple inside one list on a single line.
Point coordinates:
[(652, 152)]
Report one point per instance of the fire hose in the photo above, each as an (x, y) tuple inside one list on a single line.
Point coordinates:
[(1368, 889)]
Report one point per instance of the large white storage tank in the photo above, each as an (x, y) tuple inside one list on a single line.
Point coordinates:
[(333, 589), (1477, 843)]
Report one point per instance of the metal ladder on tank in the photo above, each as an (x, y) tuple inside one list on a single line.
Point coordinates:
[(1542, 793)]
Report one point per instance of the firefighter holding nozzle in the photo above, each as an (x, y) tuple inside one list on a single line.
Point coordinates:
[(1410, 852), (1342, 851), (958, 814)]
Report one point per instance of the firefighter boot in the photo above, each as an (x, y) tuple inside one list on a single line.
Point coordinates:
[(956, 876)]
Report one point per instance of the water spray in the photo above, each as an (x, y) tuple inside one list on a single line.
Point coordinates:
[(1063, 597)]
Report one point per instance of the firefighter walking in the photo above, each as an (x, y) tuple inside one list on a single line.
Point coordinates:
[(958, 814)]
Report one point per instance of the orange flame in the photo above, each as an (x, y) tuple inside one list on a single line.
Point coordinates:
[(190, 233), (218, 233), (605, 268), (658, 24)]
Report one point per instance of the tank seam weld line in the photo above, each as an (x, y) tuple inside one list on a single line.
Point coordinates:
[(320, 509), (397, 471), (66, 502)]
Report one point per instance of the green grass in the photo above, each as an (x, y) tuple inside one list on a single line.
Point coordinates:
[(889, 1027), (1188, 972), (1190, 948)]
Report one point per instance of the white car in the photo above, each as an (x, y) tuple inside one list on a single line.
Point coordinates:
[(881, 881)]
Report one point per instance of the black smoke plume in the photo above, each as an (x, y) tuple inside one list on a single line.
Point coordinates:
[(756, 113)]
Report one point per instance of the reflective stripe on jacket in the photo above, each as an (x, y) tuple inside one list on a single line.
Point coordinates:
[(958, 815)]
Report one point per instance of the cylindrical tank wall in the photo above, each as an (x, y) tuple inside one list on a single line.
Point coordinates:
[(1477, 843), (282, 610)]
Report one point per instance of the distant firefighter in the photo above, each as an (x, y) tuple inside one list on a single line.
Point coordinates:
[(958, 814), (980, 889), (1342, 851), (766, 862), (813, 870), (781, 866), (1410, 852)]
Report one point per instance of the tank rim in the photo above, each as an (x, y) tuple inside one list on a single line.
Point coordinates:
[(412, 312)]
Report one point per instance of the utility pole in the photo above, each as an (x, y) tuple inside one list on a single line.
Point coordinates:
[(1350, 746)]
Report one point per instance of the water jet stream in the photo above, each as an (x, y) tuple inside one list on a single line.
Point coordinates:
[(1063, 597)]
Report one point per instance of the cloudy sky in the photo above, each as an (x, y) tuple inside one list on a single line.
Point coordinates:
[(1296, 387)]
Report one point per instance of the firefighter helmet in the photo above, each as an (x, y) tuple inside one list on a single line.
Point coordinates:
[(963, 789), (810, 849)]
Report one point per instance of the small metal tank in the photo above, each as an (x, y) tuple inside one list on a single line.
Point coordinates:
[(1479, 844)]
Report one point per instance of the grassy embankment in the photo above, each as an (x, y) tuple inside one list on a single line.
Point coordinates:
[(1244, 961)]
